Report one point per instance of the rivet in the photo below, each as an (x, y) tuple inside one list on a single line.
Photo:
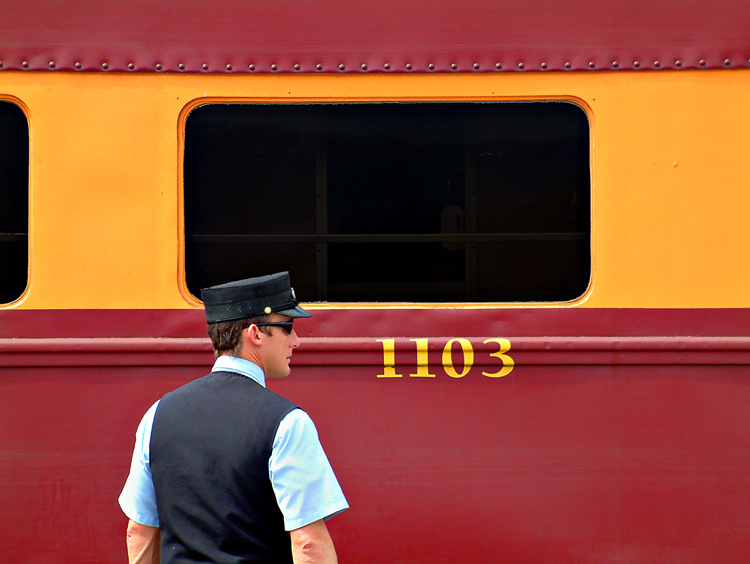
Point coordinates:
[(52, 64), (476, 66), (158, 66), (678, 63), (319, 67), (274, 67), (131, 66), (727, 62), (521, 66), (702, 62), (364, 66), (267, 310), (105, 66), (204, 67), (567, 64), (592, 64), (636, 64), (657, 64), (499, 66), (78, 66), (543, 65), (229, 68), (1, 64), (431, 66), (454, 66), (615, 64), (25, 64), (181, 66), (386, 66), (408, 66), (342, 67), (297, 66)]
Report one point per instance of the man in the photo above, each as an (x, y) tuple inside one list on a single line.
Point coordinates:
[(224, 470)]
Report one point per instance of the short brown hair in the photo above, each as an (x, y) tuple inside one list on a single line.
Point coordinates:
[(226, 336)]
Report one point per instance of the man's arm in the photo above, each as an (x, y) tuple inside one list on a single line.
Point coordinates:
[(312, 544), (144, 544)]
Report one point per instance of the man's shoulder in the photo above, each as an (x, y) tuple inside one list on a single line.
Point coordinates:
[(187, 387), (228, 383)]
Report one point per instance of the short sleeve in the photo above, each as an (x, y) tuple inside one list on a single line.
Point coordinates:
[(138, 497), (302, 478)]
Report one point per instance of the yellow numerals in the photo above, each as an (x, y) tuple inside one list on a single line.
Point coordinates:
[(423, 365), (468, 351), (389, 359), (423, 368), (507, 362)]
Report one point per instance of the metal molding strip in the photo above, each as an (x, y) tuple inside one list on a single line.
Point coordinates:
[(360, 352)]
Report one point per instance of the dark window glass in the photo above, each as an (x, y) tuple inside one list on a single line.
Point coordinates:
[(426, 202), (14, 202)]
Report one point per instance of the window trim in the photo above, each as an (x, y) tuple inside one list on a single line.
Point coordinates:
[(29, 221), (229, 100)]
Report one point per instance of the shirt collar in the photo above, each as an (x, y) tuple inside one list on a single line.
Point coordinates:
[(240, 366)]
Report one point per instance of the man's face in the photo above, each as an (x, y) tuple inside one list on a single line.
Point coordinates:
[(277, 348)]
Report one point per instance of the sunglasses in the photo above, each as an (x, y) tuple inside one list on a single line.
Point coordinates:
[(287, 325)]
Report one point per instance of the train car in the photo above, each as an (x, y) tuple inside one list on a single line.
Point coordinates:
[(521, 229)]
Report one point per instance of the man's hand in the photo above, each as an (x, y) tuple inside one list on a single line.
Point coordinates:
[(312, 544), (144, 544)]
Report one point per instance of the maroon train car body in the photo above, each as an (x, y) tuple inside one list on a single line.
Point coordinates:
[(621, 435)]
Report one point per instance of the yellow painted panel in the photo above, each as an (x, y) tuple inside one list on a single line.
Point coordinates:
[(670, 176)]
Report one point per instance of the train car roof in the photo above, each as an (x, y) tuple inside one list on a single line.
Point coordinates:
[(312, 36)]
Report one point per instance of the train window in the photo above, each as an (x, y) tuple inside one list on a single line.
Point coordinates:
[(391, 202), (14, 201)]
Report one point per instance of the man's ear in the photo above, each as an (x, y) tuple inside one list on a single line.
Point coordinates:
[(253, 335)]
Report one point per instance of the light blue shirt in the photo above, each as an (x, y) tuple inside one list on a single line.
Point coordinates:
[(302, 478)]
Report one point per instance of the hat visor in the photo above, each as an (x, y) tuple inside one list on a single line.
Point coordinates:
[(296, 312)]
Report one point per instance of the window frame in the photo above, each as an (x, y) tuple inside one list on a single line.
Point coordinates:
[(25, 235), (224, 100)]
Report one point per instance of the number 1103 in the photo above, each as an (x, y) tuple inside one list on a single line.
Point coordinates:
[(422, 369)]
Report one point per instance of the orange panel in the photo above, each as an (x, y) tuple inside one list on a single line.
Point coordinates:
[(669, 177)]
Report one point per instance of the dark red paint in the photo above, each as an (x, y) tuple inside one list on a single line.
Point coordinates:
[(368, 322), (231, 36), (619, 436)]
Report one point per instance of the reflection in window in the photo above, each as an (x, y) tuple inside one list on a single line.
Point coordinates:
[(391, 202)]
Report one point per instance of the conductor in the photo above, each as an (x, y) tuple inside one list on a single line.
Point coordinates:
[(224, 470)]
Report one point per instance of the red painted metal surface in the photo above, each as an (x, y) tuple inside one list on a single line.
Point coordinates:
[(231, 36), (619, 435), (396, 322), (368, 353)]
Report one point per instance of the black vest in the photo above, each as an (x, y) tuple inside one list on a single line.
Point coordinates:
[(210, 445)]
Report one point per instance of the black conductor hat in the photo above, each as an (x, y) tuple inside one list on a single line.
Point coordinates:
[(251, 297)]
